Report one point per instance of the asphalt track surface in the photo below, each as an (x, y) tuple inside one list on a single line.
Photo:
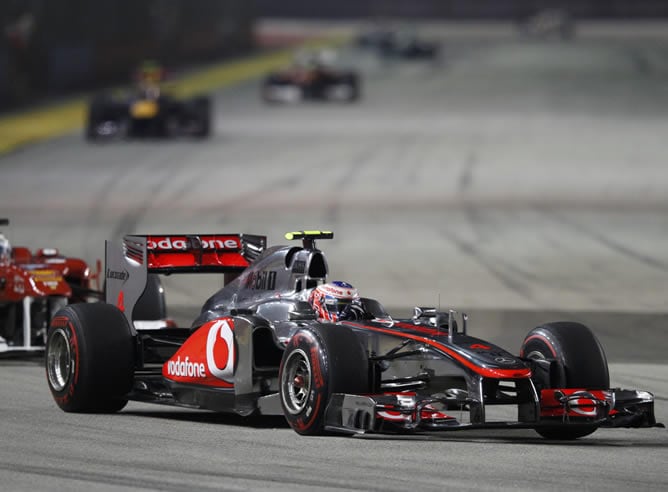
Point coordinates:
[(521, 180)]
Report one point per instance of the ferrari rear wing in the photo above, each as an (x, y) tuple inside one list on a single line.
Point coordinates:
[(130, 260)]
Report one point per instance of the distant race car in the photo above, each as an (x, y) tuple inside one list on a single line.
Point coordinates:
[(33, 286), (373, 38), (400, 45), (260, 347), (548, 23), (311, 78), (148, 111), (409, 48)]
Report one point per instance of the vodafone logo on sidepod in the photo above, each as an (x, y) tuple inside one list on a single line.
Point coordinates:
[(208, 355)]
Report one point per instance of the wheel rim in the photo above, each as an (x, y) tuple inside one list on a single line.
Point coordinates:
[(59, 360), (536, 355), (296, 381)]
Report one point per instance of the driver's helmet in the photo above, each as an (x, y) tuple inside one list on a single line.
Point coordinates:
[(330, 300), (5, 249), (150, 72)]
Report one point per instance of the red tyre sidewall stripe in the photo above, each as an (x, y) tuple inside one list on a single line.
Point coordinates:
[(543, 339), (65, 323), (318, 381)]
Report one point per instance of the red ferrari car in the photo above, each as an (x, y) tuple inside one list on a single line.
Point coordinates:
[(312, 77), (33, 286)]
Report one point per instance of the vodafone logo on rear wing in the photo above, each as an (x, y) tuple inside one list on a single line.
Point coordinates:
[(185, 243), (192, 253)]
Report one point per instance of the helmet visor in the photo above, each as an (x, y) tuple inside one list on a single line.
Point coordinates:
[(336, 306)]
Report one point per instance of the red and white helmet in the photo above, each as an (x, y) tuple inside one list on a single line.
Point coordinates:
[(329, 300)]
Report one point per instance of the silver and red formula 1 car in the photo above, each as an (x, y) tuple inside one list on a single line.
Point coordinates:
[(257, 348)]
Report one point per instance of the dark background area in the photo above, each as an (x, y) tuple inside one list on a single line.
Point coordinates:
[(459, 9), (49, 48)]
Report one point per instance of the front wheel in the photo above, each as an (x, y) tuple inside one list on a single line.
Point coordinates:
[(581, 363), (319, 361), (90, 358)]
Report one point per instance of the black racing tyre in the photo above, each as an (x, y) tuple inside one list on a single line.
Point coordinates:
[(94, 117), (201, 113), (355, 88), (90, 358), (318, 361), (103, 108), (581, 364), (9, 321), (151, 305)]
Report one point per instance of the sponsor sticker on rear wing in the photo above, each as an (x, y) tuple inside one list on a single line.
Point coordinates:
[(194, 253), (129, 261)]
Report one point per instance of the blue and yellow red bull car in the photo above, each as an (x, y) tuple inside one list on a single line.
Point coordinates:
[(147, 111), (258, 348)]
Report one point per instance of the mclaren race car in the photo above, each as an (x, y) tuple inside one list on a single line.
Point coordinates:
[(148, 111), (258, 347), (311, 77)]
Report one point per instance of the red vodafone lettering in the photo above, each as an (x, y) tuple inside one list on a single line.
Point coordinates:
[(185, 243)]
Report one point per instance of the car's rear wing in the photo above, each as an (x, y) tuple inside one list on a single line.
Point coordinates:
[(130, 260)]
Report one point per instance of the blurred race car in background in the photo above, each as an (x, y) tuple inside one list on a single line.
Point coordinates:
[(33, 286), (260, 346), (311, 77), (409, 47), (399, 44), (549, 23), (374, 37), (148, 111)]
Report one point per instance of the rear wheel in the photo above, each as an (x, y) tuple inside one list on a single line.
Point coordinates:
[(103, 118), (355, 90), (278, 91), (94, 118), (90, 358), (581, 363), (317, 362), (202, 109)]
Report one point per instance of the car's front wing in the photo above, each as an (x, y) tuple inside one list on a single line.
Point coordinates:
[(409, 412)]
